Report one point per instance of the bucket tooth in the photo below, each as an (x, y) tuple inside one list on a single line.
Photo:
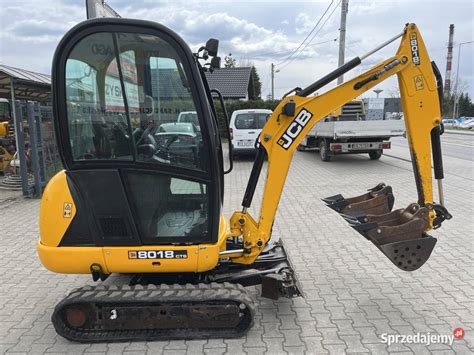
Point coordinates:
[(357, 218), (399, 235), (336, 202), (378, 200)]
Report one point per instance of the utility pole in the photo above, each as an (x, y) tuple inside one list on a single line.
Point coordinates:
[(272, 74), (342, 37), (456, 93)]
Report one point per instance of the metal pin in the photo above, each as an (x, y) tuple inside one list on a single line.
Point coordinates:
[(227, 252), (440, 192)]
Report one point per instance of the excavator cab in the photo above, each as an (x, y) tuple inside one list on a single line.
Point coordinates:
[(146, 177)]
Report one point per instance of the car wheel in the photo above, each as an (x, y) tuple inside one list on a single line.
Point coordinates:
[(375, 154), (324, 150)]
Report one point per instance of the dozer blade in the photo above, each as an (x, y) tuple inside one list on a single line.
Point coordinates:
[(377, 200), (272, 269), (164, 312), (399, 235)]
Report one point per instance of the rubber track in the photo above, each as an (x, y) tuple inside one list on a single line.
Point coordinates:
[(119, 295)]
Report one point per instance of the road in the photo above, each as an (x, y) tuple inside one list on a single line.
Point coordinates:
[(454, 145)]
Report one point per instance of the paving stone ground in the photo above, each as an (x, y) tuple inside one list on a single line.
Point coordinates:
[(353, 293)]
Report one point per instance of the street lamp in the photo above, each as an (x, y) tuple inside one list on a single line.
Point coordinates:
[(377, 91), (456, 98)]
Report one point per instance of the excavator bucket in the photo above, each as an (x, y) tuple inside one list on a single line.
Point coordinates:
[(378, 200), (399, 235)]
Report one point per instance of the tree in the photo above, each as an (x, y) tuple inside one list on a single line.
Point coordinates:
[(257, 84), (466, 107), (458, 88), (256, 91), (394, 92), (229, 62)]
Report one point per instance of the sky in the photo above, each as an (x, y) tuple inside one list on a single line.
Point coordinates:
[(259, 32)]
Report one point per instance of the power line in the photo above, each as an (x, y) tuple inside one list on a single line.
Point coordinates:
[(314, 36), (309, 34), (285, 52), (329, 40)]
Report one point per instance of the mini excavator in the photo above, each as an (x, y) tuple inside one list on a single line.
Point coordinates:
[(141, 194)]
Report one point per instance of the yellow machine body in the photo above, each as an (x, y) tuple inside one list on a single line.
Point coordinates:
[(58, 205)]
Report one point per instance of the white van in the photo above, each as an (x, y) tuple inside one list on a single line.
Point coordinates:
[(245, 126), (189, 117)]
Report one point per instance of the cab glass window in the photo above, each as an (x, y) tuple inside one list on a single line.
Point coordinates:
[(129, 99), (169, 207), (251, 120)]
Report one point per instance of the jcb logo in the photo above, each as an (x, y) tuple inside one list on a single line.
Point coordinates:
[(415, 57), (294, 129)]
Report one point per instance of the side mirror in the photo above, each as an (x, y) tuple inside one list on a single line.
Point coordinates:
[(212, 46), (216, 62)]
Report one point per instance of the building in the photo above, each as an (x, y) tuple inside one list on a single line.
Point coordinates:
[(379, 108)]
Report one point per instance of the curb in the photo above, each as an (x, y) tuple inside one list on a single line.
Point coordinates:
[(458, 131)]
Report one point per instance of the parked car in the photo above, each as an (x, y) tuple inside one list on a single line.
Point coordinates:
[(177, 143), (189, 117), (451, 122), (245, 127), (467, 124)]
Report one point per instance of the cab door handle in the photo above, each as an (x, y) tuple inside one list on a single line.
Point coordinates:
[(251, 132)]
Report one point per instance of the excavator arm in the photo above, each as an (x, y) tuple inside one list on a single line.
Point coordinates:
[(420, 84)]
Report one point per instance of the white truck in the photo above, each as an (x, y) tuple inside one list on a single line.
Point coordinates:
[(347, 132)]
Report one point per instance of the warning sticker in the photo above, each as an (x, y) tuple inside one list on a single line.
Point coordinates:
[(67, 210), (419, 85)]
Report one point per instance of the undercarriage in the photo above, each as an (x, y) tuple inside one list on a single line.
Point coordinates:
[(176, 306)]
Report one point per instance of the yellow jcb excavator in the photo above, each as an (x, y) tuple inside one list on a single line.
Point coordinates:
[(141, 193), (7, 135)]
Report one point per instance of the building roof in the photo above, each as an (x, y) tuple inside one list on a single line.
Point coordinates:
[(233, 83), (28, 85)]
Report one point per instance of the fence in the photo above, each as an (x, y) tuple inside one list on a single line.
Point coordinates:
[(37, 158)]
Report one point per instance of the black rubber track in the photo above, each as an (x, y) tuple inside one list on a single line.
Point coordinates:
[(96, 298)]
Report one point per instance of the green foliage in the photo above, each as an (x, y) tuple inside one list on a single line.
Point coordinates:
[(257, 84), (229, 62), (466, 107)]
